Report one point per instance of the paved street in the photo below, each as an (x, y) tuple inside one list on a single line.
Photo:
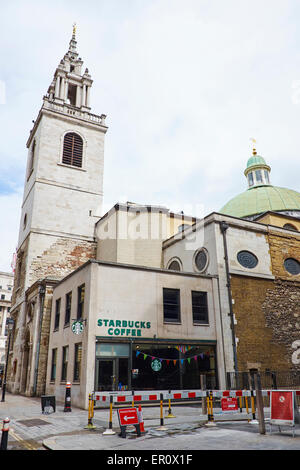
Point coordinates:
[(30, 429)]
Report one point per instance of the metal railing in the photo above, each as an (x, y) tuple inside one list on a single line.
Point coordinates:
[(269, 380)]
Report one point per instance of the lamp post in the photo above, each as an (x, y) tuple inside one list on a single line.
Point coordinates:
[(10, 324)]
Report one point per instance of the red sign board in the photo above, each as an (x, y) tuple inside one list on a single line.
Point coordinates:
[(229, 404), (128, 416), (282, 407)]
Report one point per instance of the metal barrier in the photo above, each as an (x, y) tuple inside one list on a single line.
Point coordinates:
[(103, 398)]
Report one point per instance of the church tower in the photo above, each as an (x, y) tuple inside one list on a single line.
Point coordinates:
[(63, 193)]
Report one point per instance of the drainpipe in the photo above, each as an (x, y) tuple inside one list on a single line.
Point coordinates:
[(42, 291), (224, 226)]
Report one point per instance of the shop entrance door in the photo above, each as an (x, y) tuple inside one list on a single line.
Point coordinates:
[(106, 375), (111, 374)]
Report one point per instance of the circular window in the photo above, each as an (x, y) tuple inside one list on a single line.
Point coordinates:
[(292, 266), (174, 265), (201, 260), (247, 259)]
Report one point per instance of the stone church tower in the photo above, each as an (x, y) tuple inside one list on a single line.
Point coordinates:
[(63, 193)]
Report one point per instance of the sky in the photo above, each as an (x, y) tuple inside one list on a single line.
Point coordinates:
[(184, 85)]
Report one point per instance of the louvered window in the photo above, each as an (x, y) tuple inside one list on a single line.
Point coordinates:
[(72, 151)]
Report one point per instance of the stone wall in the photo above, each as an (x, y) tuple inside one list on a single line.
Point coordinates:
[(257, 345)]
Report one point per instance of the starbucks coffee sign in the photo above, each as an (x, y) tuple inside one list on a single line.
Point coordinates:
[(124, 327), (77, 327)]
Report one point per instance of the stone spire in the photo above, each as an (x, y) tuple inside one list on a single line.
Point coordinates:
[(69, 86)]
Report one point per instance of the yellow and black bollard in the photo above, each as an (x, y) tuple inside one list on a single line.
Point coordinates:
[(210, 412), (254, 421), (161, 427), (247, 408), (170, 414), (109, 430), (90, 413)]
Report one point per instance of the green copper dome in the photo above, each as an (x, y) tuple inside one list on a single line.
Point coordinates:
[(255, 160), (262, 199), (261, 196)]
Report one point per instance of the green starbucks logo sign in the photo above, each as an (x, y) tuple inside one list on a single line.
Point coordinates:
[(77, 327), (156, 365)]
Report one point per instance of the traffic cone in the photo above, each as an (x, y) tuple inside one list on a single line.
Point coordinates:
[(141, 422)]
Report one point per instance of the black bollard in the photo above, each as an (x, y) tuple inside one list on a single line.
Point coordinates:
[(5, 430), (68, 397)]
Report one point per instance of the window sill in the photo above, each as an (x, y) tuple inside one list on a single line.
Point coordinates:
[(172, 322), (200, 324), (71, 166)]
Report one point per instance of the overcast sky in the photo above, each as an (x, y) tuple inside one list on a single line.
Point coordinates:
[(184, 85)]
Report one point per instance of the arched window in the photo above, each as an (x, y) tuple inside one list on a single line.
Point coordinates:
[(174, 265), (290, 227), (72, 150)]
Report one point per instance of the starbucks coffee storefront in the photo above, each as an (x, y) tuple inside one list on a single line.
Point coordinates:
[(133, 328), (146, 365)]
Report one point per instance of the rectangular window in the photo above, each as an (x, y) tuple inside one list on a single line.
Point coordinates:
[(200, 308), (258, 176), (57, 314), (80, 303), (77, 361), (68, 308), (64, 365), (171, 298), (53, 364)]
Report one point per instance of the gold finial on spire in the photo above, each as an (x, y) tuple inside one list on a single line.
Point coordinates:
[(253, 143), (74, 29)]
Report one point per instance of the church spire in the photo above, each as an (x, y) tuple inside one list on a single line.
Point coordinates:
[(70, 86)]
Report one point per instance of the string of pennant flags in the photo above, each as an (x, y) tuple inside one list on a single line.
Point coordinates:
[(183, 349)]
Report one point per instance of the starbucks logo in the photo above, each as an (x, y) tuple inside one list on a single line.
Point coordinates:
[(156, 365), (77, 327)]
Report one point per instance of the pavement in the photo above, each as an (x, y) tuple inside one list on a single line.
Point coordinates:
[(30, 429)]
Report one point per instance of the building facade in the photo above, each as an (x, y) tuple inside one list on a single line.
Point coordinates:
[(140, 297), (126, 327), (6, 287)]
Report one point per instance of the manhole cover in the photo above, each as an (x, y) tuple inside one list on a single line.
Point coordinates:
[(33, 422)]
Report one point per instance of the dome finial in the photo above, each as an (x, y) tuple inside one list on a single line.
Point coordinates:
[(253, 144)]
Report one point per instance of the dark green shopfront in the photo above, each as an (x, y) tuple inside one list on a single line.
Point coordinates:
[(154, 364)]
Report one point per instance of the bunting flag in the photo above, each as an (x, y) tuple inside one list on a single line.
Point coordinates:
[(168, 360)]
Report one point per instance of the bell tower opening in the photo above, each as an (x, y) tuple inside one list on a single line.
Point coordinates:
[(72, 93)]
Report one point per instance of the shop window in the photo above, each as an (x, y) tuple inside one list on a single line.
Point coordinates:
[(53, 364), (199, 308), (80, 302), (57, 314), (64, 365), (77, 361), (171, 299), (68, 308)]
